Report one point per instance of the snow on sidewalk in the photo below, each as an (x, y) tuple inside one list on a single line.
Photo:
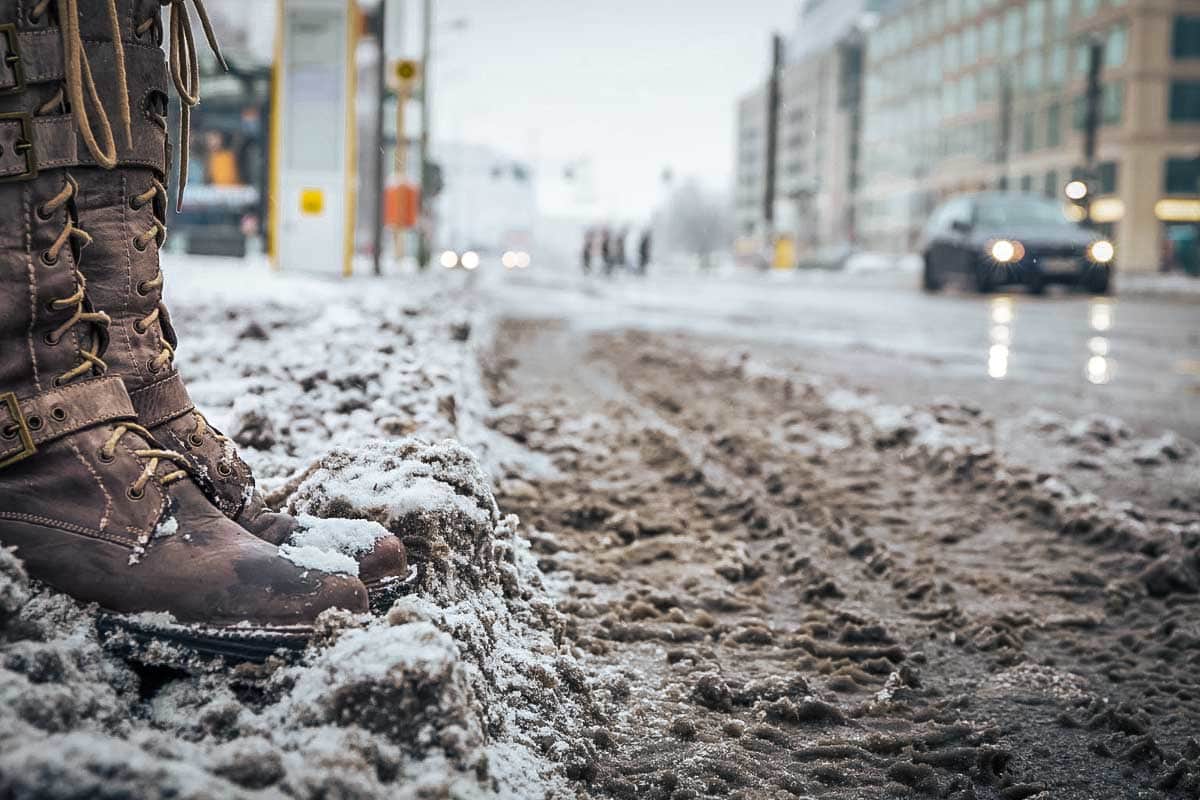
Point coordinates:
[(464, 689)]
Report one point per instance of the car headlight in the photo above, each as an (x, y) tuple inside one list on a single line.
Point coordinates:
[(1004, 251), (470, 260), (1101, 252), (449, 259)]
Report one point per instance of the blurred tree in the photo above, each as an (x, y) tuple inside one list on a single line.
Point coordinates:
[(697, 221)]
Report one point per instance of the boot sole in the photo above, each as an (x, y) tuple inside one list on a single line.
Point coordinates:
[(385, 591), (178, 645)]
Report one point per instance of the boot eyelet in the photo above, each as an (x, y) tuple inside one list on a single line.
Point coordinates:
[(33, 19), (224, 470), (137, 326), (35, 423), (58, 414), (139, 245), (194, 440), (9, 432), (105, 458), (48, 259), (135, 204), (142, 289), (152, 367), (50, 340), (43, 214), (135, 494)]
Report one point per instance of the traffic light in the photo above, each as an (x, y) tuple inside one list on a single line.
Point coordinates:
[(404, 74)]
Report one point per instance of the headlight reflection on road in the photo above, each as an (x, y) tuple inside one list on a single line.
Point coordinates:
[(1100, 367), (1001, 314)]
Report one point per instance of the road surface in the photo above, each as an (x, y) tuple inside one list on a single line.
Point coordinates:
[(1136, 358)]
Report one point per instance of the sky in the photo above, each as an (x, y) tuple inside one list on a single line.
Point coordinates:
[(627, 87), (631, 86)]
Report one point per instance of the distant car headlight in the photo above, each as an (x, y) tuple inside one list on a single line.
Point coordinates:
[(470, 260), (522, 260), (1102, 251), (1004, 251), (509, 260), (449, 259)]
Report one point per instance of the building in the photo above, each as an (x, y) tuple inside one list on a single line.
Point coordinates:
[(489, 202), (971, 94), (817, 155)]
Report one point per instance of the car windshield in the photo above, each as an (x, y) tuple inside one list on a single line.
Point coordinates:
[(995, 211)]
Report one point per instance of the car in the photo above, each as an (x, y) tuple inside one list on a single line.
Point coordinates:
[(995, 239)]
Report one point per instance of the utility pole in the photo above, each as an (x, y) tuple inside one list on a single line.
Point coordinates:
[(772, 137), (424, 228), (1091, 121), (1004, 142), (377, 158)]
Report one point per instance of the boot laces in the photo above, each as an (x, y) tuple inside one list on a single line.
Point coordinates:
[(80, 84)]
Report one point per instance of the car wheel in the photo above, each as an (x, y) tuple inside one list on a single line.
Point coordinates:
[(985, 280), (1098, 280), (931, 281)]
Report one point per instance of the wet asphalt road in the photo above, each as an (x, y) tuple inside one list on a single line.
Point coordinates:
[(1134, 357)]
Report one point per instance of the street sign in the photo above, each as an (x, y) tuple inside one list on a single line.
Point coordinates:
[(403, 76), (313, 136)]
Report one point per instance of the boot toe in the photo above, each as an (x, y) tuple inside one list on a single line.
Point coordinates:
[(386, 562)]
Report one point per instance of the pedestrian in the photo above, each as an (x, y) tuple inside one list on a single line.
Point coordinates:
[(619, 249), (114, 488), (606, 251), (644, 248), (588, 236)]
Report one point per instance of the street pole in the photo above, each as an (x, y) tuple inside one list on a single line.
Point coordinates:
[(772, 137), (425, 225), (379, 168), (1004, 143), (1091, 121)]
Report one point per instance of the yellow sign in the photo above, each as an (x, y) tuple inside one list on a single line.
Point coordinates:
[(785, 253), (312, 202), (1177, 210), (404, 74)]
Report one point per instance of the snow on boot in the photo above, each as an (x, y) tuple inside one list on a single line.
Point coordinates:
[(124, 209), (93, 506)]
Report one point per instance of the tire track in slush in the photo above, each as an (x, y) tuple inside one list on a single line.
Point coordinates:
[(774, 605)]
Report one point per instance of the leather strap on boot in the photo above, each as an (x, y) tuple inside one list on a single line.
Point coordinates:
[(29, 57), (162, 401), (28, 423)]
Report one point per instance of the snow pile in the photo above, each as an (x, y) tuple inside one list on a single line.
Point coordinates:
[(463, 688), (957, 441)]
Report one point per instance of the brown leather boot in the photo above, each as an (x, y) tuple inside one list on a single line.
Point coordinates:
[(124, 210), (92, 504)]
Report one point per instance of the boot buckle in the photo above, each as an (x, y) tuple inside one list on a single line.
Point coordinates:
[(13, 59), (28, 448), (24, 146)]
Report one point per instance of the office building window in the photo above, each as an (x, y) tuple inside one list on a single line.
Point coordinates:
[(1050, 185), (1011, 43), (1028, 131), (1106, 172), (1185, 101), (1031, 78), (1053, 125), (1183, 175), (1035, 22), (1115, 46), (1112, 103), (991, 35), (1056, 72), (1185, 37), (1060, 10), (1088, 7), (1026, 183)]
